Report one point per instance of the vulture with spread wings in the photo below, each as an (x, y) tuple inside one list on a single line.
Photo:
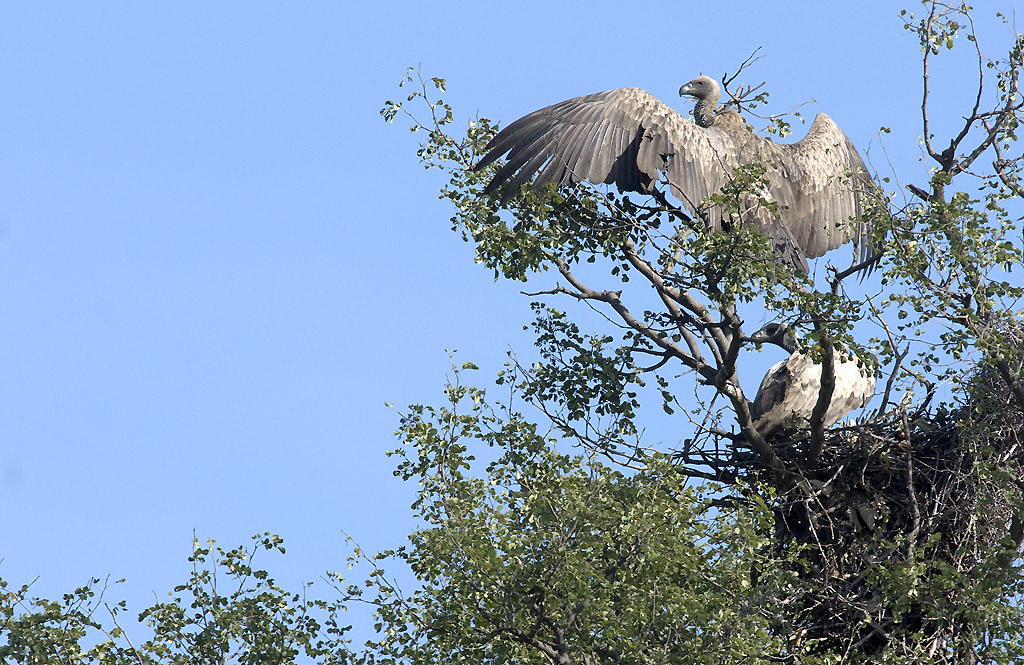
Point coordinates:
[(628, 138)]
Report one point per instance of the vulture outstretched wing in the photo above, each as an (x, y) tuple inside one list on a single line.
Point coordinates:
[(629, 138)]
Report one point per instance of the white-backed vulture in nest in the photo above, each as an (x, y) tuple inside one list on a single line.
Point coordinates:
[(630, 138), (789, 391)]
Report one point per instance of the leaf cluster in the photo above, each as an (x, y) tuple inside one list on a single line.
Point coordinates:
[(229, 611)]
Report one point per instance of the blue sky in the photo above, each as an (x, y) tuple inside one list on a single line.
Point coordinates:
[(217, 262)]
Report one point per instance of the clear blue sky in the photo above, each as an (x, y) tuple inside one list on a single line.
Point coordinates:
[(217, 263)]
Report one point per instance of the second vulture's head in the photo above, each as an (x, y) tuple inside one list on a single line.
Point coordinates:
[(776, 333), (702, 87)]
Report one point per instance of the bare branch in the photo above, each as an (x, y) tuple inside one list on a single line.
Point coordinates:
[(828, 384), (613, 298)]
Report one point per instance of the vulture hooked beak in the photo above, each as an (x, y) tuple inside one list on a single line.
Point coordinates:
[(684, 90)]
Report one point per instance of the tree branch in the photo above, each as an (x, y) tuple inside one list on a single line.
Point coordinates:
[(828, 384)]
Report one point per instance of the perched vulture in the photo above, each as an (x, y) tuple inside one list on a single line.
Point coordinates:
[(630, 138), (789, 390)]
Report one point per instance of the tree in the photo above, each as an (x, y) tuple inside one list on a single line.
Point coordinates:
[(554, 532), (894, 539)]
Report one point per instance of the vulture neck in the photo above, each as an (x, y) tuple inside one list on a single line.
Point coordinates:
[(704, 111), (787, 341)]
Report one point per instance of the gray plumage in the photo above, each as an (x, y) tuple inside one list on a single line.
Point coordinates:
[(628, 138), (789, 391)]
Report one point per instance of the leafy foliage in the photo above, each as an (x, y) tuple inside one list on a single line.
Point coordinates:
[(227, 612), (544, 553)]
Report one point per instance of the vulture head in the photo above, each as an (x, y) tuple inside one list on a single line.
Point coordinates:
[(701, 87), (776, 333), (705, 89)]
